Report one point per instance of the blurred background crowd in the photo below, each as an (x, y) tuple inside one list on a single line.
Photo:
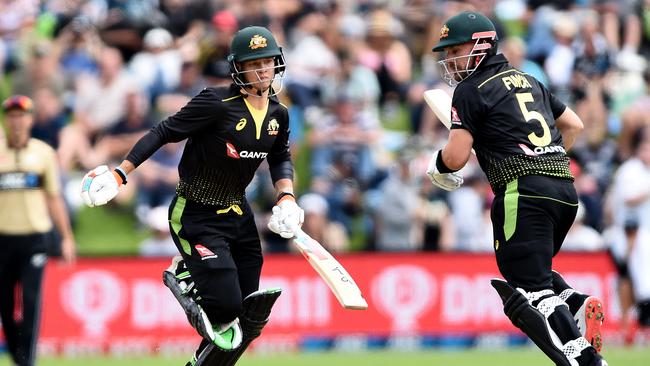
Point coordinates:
[(102, 72)]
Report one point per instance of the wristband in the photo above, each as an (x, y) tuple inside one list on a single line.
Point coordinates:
[(440, 165), (283, 194), (121, 173)]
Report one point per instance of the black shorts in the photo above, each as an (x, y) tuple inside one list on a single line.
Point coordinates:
[(530, 219), (222, 250)]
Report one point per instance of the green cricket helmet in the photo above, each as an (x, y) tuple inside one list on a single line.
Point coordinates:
[(253, 43), (465, 27)]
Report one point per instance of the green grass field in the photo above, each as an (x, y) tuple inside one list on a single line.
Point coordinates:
[(516, 357)]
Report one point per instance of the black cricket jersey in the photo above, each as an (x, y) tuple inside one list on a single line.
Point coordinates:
[(227, 140), (511, 117)]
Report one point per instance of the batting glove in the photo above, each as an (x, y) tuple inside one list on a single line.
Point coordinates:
[(446, 181), (100, 185), (286, 218)]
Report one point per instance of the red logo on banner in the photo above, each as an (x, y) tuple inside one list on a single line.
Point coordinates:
[(204, 252), (231, 151)]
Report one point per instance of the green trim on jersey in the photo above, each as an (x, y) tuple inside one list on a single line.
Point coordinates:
[(550, 198), (177, 213), (499, 74), (231, 98), (510, 204)]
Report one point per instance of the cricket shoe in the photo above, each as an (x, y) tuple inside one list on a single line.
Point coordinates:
[(589, 318), (179, 280), (588, 311)]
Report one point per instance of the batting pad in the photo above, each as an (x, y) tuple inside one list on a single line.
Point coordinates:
[(257, 309)]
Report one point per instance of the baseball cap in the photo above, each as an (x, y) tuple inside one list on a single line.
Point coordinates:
[(19, 102)]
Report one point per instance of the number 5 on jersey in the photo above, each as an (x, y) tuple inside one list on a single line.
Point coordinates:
[(524, 98)]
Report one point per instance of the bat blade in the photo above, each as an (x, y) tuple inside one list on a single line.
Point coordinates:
[(440, 103), (331, 271)]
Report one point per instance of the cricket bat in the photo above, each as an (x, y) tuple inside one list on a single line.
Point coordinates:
[(440, 103), (337, 278)]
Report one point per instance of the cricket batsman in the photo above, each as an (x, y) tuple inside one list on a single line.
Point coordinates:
[(520, 133), (229, 131)]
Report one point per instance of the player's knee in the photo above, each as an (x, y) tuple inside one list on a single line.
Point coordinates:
[(222, 309)]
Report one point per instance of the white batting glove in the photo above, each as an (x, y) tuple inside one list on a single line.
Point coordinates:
[(286, 218), (99, 186), (446, 181)]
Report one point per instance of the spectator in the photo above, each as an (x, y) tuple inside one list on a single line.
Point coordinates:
[(330, 234), (399, 215), (303, 85), (582, 237), (100, 104), (157, 68), (50, 117), (347, 131), (40, 70), (387, 56), (515, 50), (473, 230), (160, 244), (559, 63)]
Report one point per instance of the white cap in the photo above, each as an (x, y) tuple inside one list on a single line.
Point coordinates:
[(157, 218), (158, 38), (313, 203)]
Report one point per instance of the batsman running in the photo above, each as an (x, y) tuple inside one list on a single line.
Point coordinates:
[(520, 133), (229, 132)]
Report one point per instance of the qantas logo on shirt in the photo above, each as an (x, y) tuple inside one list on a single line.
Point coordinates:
[(455, 119), (541, 150), (204, 252), (232, 152)]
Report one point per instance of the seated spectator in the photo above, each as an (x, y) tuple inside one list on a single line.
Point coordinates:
[(387, 56), (157, 68), (160, 244), (156, 179), (473, 231), (40, 70), (49, 117), (559, 63), (354, 80), (116, 142), (342, 189), (514, 48), (330, 234), (347, 131), (100, 104), (78, 45), (400, 212)]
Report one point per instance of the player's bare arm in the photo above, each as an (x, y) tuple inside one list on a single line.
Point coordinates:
[(570, 126), (459, 146)]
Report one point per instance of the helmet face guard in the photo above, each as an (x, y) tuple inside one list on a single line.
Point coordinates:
[(239, 78), (448, 67)]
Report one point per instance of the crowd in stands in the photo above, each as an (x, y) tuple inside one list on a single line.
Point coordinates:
[(102, 72)]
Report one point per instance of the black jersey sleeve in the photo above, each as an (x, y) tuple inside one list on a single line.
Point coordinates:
[(198, 113), (467, 107), (279, 158), (557, 107)]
